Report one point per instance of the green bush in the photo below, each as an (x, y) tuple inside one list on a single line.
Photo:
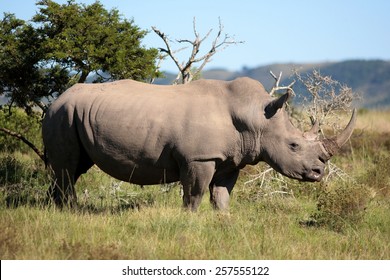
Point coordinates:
[(11, 170), (22, 180), (342, 205)]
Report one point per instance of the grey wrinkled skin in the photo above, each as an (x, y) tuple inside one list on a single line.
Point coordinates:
[(200, 134)]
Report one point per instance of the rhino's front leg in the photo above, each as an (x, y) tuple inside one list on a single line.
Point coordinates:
[(196, 177), (219, 197), (220, 191)]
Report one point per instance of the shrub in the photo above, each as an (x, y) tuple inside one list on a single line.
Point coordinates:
[(22, 181), (11, 170), (342, 205)]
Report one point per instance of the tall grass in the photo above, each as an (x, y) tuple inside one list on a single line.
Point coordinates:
[(337, 219), (161, 232)]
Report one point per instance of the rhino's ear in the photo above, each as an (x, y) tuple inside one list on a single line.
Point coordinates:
[(276, 104)]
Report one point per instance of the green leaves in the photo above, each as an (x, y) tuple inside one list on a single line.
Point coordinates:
[(22, 79), (88, 38), (65, 44)]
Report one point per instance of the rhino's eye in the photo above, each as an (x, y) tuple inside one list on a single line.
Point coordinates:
[(294, 147)]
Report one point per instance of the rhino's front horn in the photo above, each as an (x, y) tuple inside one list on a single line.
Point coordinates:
[(343, 137), (333, 145)]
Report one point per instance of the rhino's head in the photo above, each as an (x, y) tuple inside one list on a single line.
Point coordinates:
[(293, 153)]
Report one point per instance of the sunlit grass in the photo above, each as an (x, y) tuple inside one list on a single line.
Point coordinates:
[(162, 232)]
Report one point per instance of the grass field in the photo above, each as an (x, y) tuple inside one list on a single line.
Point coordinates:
[(345, 217)]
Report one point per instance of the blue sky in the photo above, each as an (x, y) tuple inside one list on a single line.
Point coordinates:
[(274, 31)]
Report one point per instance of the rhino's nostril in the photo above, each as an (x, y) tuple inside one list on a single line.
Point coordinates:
[(323, 160), (317, 171)]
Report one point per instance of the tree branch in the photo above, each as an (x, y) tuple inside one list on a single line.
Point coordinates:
[(168, 50), (276, 86), (24, 139), (214, 47)]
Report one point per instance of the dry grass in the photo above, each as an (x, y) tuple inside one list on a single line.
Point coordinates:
[(256, 232), (374, 120)]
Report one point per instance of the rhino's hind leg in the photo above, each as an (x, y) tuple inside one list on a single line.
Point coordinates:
[(195, 178), (62, 190), (220, 191)]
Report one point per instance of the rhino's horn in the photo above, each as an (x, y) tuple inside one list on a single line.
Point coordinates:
[(333, 145), (343, 137)]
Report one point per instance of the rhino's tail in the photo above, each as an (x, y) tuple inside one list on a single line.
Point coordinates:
[(45, 159)]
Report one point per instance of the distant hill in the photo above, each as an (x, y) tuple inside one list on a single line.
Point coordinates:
[(371, 78)]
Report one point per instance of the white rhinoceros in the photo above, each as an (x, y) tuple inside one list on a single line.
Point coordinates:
[(200, 134)]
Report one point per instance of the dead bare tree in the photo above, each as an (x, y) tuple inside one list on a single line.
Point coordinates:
[(187, 71), (326, 98)]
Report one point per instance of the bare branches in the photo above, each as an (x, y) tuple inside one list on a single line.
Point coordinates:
[(326, 98), (168, 50), (276, 86), (269, 183), (186, 71)]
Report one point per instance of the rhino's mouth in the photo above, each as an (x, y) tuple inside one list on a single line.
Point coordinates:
[(314, 175)]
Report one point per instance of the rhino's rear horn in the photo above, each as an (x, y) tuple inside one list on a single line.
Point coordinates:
[(334, 144), (312, 134)]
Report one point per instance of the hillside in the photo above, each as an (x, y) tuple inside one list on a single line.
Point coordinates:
[(370, 78)]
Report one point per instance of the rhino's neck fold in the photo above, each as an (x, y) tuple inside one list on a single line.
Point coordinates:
[(250, 148)]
